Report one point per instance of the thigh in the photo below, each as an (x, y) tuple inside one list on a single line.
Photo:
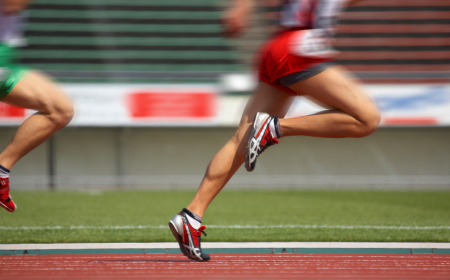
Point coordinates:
[(36, 91), (334, 89), (266, 99)]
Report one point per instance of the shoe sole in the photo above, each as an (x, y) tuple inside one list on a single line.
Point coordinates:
[(248, 166), (247, 159), (7, 208), (179, 240)]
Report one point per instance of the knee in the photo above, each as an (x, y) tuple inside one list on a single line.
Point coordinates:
[(61, 113), (369, 123), (65, 113)]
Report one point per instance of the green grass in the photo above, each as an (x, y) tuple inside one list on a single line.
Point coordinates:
[(128, 208)]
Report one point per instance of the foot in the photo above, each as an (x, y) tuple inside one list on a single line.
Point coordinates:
[(188, 238), (5, 199), (260, 139)]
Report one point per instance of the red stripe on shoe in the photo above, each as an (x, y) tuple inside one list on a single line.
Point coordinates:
[(257, 134), (194, 235), (185, 235)]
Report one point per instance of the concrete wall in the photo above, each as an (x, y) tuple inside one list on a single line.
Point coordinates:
[(177, 157)]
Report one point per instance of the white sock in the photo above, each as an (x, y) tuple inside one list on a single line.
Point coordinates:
[(4, 173), (194, 223), (194, 219), (272, 129)]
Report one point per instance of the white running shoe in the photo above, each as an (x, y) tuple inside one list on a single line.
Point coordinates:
[(260, 139), (188, 238)]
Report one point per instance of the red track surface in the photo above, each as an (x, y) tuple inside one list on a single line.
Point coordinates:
[(226, 266)]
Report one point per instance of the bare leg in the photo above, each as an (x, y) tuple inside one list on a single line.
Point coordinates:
[(37, 92), (227, 161), (354, 114)]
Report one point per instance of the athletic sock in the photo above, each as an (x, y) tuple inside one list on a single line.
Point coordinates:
[(4, 172), (194, 219), (274, 127)]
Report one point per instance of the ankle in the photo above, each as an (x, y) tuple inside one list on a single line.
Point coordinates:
[(275, 129), (194, 219), (4, 172)]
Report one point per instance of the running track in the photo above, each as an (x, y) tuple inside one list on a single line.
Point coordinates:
[(226, 266)]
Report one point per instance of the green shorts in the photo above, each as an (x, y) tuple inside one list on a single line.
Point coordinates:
[(10, 73)]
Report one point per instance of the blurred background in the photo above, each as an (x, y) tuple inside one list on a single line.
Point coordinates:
[(158, 90)]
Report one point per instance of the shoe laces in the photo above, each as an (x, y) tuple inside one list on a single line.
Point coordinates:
[(5, 197), (200, 231), (269, 141)]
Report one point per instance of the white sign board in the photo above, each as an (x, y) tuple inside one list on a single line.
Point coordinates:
[(400, 105), (203, 105)]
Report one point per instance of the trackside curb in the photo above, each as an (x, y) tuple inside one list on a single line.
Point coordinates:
[(230, 247)]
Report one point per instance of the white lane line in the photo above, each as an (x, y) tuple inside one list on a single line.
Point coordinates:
[(228, 245), (232, 227)]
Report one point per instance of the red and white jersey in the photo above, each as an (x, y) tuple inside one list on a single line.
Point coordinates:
[(310, 14)]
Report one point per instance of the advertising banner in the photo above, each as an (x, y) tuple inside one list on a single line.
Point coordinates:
[(400, 105), (205, 105), (133, 105)]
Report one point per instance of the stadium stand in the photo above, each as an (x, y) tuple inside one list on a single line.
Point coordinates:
[(128, 40), (397, 41), (382, 41)]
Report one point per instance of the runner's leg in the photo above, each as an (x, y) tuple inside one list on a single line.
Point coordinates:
[(35, 91), (354, 113), (227, 161)]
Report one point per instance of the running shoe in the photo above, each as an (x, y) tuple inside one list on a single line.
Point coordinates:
[(188, 238), (5, 199), (260, 139)]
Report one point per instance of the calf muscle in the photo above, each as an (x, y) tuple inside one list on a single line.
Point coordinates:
[(37, 92)]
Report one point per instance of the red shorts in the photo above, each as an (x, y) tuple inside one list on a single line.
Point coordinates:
[(276, 59)]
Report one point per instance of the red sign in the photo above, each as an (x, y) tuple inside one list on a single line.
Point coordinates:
[(172, 104), (9, 111), (411, 121)]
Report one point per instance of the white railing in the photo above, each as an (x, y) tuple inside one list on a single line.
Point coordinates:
[(249, 181)]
